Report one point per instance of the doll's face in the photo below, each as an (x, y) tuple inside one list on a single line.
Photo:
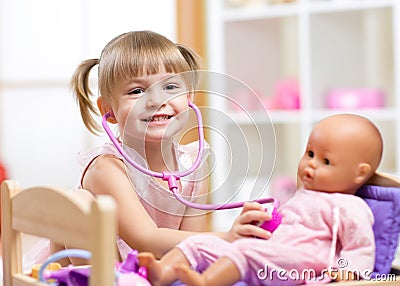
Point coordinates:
[(331, 162)]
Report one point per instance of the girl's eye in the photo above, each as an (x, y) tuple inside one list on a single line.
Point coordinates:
[(327, 162), (136, 91), (171, 86), (310, 154)]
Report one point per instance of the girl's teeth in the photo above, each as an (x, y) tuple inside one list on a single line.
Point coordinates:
[(159, 118)]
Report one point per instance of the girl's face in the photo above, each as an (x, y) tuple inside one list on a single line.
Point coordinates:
[(151, 108), (329, 163)]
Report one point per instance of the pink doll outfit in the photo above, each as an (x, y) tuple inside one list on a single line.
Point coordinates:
[(162, 206), (318, 231)]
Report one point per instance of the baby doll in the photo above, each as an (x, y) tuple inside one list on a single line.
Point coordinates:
[(324, 226)]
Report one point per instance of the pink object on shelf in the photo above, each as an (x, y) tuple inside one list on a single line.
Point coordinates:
[(355, 98), (245, 100), (269, 103), (286, 95)]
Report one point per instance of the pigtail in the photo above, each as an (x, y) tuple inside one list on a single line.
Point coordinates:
[(82, 92), (193, 60)]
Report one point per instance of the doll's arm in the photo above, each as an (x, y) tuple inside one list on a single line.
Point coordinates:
[(357, 255)]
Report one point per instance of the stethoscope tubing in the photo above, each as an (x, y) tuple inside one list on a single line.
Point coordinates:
[(173, 177)]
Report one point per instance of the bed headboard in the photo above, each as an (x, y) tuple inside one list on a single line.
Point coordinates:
[(59, 216)]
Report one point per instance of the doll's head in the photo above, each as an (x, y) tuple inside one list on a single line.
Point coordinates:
[(343, 151)]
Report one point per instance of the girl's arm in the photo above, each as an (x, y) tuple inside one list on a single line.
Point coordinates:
[(196, 220), (107, 175)]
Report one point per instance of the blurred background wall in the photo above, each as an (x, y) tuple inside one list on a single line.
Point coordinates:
[(41, 43)]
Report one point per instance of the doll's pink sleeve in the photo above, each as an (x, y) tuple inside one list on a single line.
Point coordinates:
[(356, 237)]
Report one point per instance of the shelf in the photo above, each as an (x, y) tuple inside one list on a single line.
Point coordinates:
[(250, 13), (243, 118), (321, 45), (294, 116), (384, 114), (259, 12), (347, 5)]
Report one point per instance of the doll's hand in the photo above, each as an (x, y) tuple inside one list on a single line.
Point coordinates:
[(245, 224)]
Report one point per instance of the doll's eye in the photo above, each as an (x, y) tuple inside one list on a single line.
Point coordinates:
[(311, 154), (327, 162)]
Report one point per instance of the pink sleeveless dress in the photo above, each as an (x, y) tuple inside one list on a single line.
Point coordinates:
[(162, 206), (160, 203)]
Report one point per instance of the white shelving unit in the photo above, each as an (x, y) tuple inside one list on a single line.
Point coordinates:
[(324, 45)]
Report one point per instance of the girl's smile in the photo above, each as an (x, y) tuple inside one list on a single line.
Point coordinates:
[(158, 120)]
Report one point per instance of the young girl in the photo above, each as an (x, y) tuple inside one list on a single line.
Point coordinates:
[(324, 224), (149, 218)]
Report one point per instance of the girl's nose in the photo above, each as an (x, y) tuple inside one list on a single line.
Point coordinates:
[(154, 100)]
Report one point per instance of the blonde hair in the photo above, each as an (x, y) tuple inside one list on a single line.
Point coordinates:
[(127, 56)]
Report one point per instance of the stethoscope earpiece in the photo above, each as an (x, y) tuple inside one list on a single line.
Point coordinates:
[(109, 114)]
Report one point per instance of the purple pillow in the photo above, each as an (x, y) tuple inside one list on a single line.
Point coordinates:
[(385, 205)]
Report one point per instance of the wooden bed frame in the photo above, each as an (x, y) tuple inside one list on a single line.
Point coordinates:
[(57, 214)]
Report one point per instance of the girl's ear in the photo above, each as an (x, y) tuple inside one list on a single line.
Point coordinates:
[(104, 108), (363, 173)]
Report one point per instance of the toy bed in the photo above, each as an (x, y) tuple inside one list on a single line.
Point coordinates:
[(59, 216)]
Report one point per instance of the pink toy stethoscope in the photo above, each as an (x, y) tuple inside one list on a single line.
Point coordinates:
[(173, 177)]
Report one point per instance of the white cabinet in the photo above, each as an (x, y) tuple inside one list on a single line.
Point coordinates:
[(346, 49)]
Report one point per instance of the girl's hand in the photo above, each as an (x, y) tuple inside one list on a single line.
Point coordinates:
[(246, 223)]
